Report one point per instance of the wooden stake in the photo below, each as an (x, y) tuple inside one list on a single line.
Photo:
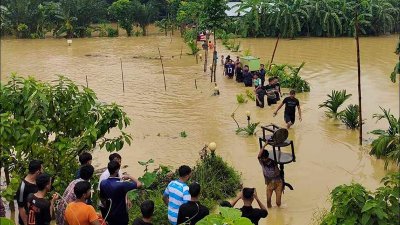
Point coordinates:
[(273, 54), (358, 75), (162, 66), (195, 83), (122, 75), (180, 57), (87, 84)]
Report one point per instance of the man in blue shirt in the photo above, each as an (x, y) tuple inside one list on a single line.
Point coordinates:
[(177, 193), (112, 194)]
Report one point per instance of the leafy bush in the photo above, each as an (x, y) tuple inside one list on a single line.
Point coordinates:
[(235, 47), (335, 100), (289, 77), (353, 204), (249, 130), (189, 35), (247, 52), (227, 216), (111, 32), (350, 117), (387, 145), (183, 134), (219, 180)]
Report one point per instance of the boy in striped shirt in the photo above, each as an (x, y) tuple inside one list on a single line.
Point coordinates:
[(177, 193)]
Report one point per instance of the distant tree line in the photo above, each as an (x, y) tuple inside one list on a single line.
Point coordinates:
[(259, 18)]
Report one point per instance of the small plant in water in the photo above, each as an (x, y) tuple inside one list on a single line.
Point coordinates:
[(334, 101), (249, 130), (350, 117), (250, 95), (247, 52), (183, 134), (241, 98), (387, 145), (193, 47)]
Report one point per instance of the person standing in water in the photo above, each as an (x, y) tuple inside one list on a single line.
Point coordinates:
[(272, 176), (290, 109)]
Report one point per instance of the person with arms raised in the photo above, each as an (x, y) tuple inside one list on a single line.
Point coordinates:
[(248, 195), (192, 211)]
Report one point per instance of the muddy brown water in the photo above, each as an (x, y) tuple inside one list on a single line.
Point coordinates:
[(327, 153)]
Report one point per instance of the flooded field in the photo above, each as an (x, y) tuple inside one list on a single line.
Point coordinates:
[(327, 153)]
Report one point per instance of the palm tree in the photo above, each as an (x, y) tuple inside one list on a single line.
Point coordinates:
[(335, 100), (289, 16), (387, 145)]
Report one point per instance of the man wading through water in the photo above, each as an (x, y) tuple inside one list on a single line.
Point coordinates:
[(290, 109)]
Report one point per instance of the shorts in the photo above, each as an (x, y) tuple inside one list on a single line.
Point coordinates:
[(277, 96), (275, 185), (289, 118), (271, 101), (261, 103)]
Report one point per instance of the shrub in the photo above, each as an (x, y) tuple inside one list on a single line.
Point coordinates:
[(219, 180), (289, 77), (350, 117), (227, 216), (250, 95), (387, 145), (111, 32), (353, 204), (335, 100)]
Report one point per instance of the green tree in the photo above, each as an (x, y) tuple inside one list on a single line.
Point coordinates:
[(145, 14), (327, 17), (124, 12), (384, 16), (54, 122)]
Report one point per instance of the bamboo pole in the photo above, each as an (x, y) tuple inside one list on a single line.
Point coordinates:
[(215, 57), (359, 75), (162, 66), (195, 83), (87, 84), (273, 54), (180, 57), (122, 75)]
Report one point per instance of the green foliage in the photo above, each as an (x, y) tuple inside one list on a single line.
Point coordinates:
[(289, 77), (250, 95), (193, 47), (124, 12), (353, 204), (334, 101), (249, 130), (220, 181), (247, 52), (396, 70), (213, 14), (350, 117), (111, 32), (387, 144), (54, 122), (183, 134), (227, 216), (240, 98)]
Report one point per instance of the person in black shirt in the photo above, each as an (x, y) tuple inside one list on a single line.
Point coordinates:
[(40, 209), (270, 90), (260, 93), (85, 159), (278, 92), (239, 73), (290, 109), (27, 186), (248, 195), (262, 74), (147, 209), (192, 211), (247, 77)]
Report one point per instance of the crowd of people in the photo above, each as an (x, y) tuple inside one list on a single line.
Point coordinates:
[(271, 90), (75, 207)]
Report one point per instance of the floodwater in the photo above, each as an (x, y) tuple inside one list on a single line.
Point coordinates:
[(327, 153)]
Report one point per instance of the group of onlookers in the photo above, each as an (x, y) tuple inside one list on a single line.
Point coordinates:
[(75, 206)]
